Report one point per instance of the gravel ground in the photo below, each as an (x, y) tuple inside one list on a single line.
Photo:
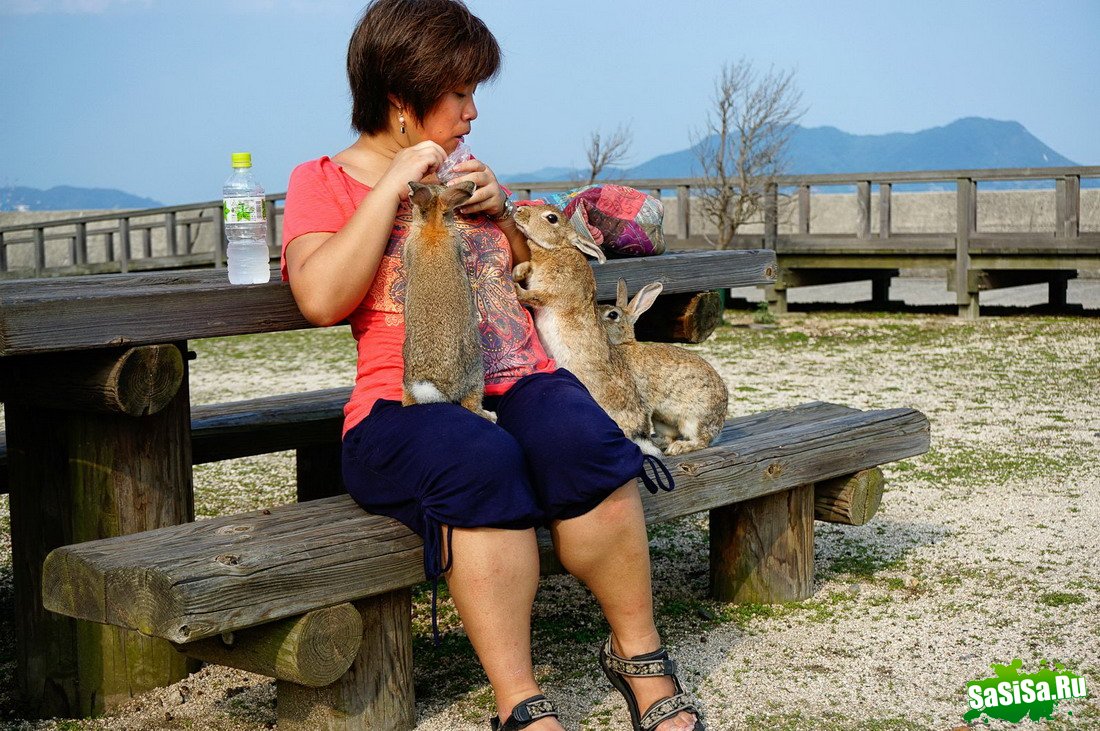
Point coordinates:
[(984, 550)]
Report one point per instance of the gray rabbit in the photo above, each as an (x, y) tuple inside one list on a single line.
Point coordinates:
[(442, 349)]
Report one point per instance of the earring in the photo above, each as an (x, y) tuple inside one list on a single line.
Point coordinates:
[(401, 119)]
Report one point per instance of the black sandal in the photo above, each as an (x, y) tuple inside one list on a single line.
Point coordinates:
[(652, 664), (525, 713)]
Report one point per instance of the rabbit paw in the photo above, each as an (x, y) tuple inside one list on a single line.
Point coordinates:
[(683, 446), (521, 271)]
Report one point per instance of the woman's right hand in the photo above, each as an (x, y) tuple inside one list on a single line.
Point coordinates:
[(411, 164)]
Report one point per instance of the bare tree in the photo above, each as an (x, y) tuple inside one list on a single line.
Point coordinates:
[(608, 152), (743, 146)]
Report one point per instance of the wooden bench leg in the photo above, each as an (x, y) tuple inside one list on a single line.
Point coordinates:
[(762, 550), (78, 476), (376, 694)]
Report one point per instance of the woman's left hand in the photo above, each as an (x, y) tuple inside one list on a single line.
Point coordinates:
[(488, 198)]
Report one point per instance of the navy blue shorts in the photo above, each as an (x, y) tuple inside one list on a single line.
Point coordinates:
[(553, 454)]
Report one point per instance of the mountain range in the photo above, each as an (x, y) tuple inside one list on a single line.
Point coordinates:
[(70, 198), (971, 142)]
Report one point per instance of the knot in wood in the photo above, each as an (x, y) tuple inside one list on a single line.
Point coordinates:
[(769, 272), (689, 468), (228, 559), (226, 530), (773, 470)]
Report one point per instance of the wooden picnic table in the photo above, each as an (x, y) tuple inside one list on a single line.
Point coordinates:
[(93, 375)]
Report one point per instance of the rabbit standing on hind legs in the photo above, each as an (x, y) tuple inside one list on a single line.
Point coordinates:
[(561, 289), (687, 395), (442, 349)]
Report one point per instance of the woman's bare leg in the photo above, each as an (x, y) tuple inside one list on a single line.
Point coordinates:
[(493, 581), (607, 548)]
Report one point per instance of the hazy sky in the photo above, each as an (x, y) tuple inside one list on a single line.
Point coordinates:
[(151, 96)]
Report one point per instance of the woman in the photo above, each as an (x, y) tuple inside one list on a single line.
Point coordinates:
[(474, 490)]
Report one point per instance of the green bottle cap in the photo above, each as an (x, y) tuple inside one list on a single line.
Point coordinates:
[(242, 159)]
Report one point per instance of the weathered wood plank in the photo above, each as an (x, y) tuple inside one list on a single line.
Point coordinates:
[(94, 312), (193, 581)]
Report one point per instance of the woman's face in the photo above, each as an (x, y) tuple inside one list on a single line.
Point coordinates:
[(448, 121)]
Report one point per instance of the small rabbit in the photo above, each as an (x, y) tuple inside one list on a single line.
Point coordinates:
[(561, 289), (442, 349), (687, 395)]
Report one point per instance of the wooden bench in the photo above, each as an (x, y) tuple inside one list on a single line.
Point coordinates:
[(318, 594)]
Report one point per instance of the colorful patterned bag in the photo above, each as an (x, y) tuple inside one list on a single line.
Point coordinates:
[(624, 221)]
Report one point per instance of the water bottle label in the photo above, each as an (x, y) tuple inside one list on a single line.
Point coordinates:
[(239, 210)]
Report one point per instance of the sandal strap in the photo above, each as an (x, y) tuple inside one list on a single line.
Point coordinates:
[(667, 708), (640, 666), (525, 713)]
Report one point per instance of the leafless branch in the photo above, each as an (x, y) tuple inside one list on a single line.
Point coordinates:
[(744, 143), (608, 152)]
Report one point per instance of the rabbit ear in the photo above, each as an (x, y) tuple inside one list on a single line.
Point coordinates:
[(584, 241), (621, 293), (419, 194), (457, 194), (642, 301)]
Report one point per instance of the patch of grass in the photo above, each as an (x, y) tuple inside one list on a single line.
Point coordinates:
[(1062, 599), (985, 465)]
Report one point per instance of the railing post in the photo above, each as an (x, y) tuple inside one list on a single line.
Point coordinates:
[(147, 242), (1060, 207), (170, 232), (109, 245), (81, 243), (683, 212), (863, 210), (39, 250), (124, 244), (771, 215), (219, 243), (1073, 207), (3, 254), (804, 209), (884, 190), (965, 216), (271, 242)]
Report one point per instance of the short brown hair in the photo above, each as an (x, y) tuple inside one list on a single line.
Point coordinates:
[(416, 50)]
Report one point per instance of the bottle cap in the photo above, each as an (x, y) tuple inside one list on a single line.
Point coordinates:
[(242, 159)]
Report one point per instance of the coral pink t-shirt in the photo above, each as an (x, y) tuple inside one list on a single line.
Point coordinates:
[(321, 197)]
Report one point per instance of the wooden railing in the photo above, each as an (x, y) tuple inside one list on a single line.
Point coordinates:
[(172, 237), (193, 236)]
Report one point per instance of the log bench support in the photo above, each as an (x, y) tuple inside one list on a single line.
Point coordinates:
[(376, 692), (762, 550), (107, 433)]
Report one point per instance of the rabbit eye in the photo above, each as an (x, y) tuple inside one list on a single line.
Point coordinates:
[(612, 315), (552, 217)]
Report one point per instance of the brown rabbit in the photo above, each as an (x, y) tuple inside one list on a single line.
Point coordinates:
[(442, 349), (561, 288), (687, 395)]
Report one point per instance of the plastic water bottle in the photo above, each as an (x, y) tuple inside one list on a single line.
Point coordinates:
[(245, 212)]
